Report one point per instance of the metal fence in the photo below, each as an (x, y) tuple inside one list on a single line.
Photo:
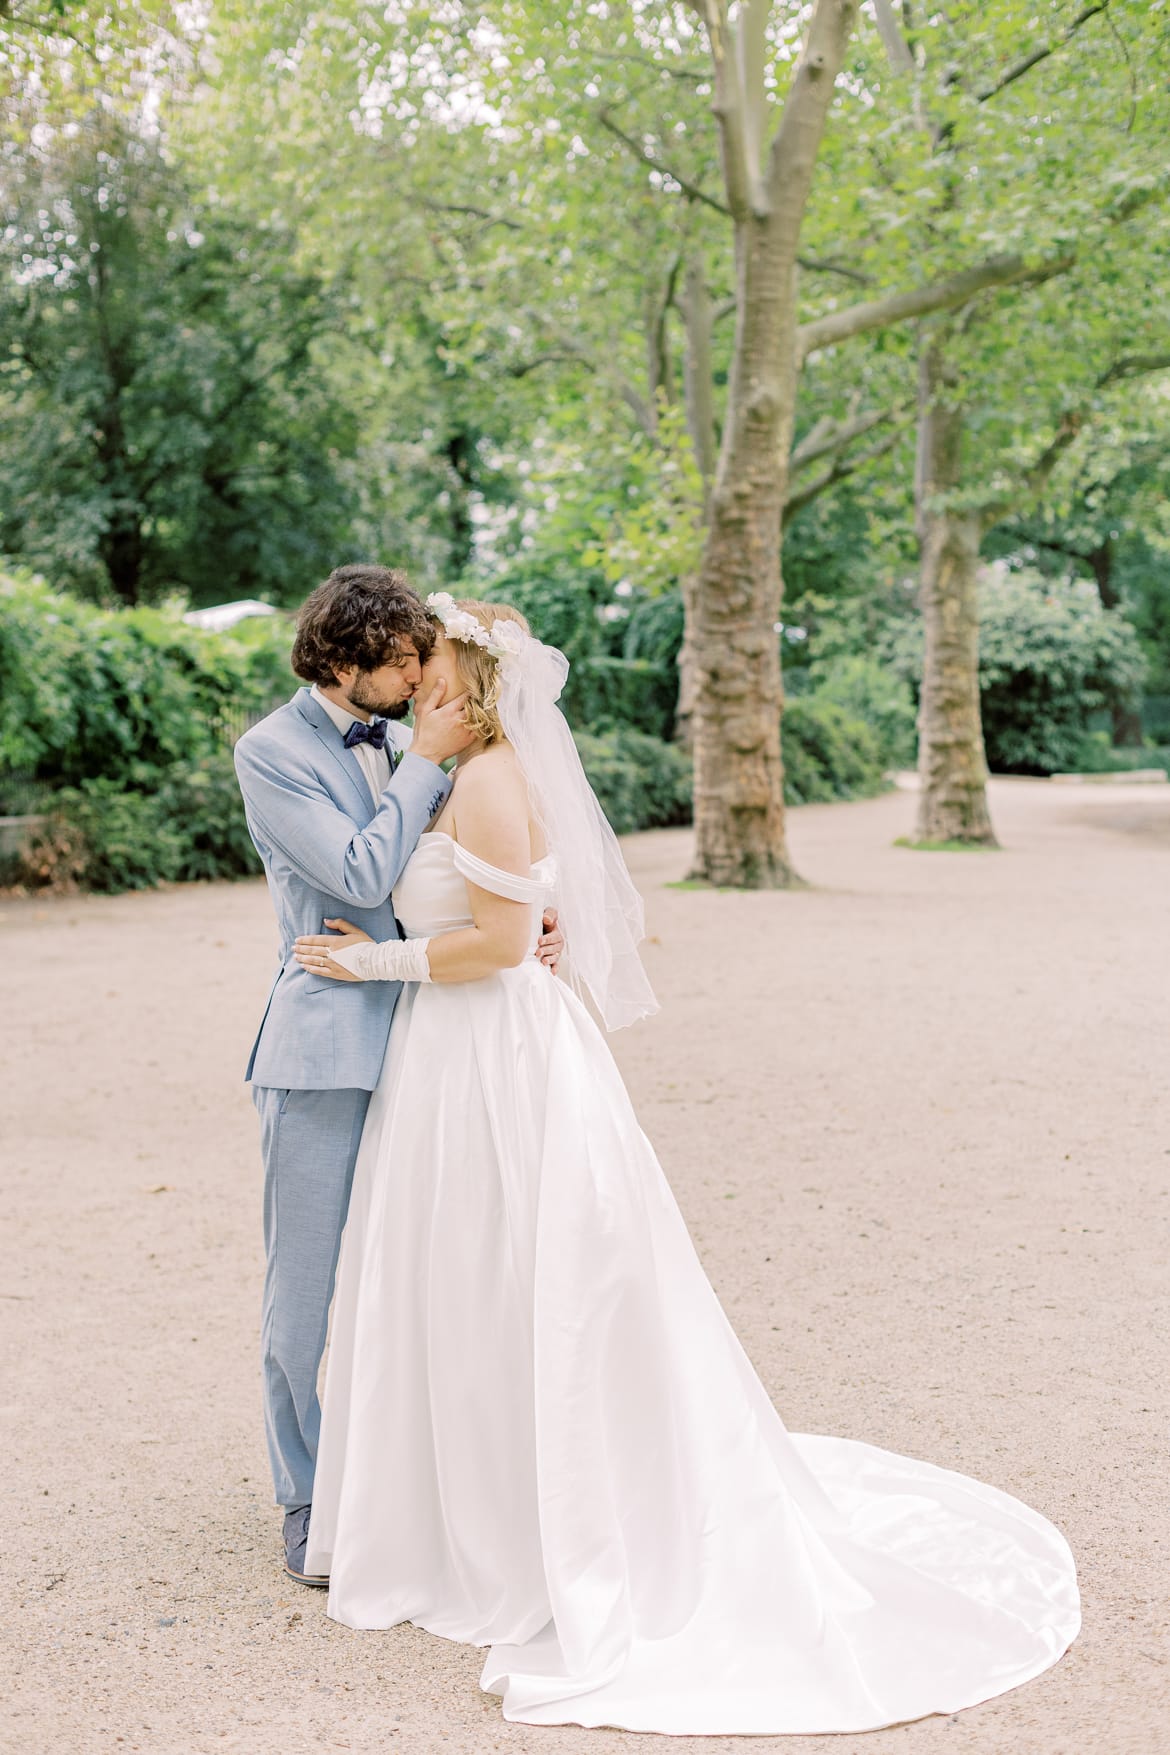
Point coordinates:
[(229, 726)]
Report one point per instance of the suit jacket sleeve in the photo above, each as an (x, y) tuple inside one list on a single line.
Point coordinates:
[(292, 811)]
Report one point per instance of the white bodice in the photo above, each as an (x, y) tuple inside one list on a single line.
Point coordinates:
[(431, 895)]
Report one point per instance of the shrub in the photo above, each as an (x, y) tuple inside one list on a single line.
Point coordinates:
[(98, 838), (204, 804), (117, 724), (1049, 658), (828, 754), (621, 674), (641, 782), (122, 695), (1097, 754), (625, 694), (883, 700)]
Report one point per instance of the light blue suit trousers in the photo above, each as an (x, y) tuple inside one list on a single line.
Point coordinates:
[(327, 851)]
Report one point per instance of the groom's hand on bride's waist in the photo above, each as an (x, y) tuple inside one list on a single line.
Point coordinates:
[(550, 947)]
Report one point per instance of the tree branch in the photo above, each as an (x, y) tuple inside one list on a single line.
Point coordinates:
[(697, 377), (727, 108), (648, 158), (899, 56), (1027, 62), (837, 471), (603, 366), (1069, 428), (829, 435), (750, 36), (555, 357), (433, 206), (1133, 365), (941, 295), (695, 76), (816, 265), (658, 372), (802, 121)]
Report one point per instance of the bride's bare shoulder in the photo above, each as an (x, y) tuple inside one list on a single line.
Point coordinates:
[(489, 805), (493, 778), (490, 768)]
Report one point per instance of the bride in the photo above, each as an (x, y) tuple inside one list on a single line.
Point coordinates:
[(540, 1433)]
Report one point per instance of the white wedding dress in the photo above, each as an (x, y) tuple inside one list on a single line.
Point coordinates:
[(541, 1434)]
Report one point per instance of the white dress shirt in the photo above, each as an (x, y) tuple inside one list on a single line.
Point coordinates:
[(375, 764)]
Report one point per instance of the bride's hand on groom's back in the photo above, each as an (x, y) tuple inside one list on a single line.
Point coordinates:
[(312, 950), (439, 727), (550, 946)]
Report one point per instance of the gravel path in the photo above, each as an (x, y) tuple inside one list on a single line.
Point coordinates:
[(916, 1116)]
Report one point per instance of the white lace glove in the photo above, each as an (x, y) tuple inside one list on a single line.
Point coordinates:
[(395, 959)]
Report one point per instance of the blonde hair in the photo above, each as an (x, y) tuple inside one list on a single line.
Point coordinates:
[(480, 671)]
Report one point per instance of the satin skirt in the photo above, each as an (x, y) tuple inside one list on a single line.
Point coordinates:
[(541, 1434)]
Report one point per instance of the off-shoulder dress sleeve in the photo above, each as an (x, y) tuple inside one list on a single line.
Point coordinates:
[(504, 883)]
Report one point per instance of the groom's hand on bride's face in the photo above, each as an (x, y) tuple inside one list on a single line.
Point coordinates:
[(550, 947), (439, 727)]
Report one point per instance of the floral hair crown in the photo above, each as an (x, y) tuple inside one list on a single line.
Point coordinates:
[(501, 640)]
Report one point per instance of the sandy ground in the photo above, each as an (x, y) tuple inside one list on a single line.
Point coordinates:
[(917, 1118)]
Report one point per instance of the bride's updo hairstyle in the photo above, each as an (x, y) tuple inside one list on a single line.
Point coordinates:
[(480, 671)]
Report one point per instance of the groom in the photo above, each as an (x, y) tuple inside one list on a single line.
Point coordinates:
[(336, 794)]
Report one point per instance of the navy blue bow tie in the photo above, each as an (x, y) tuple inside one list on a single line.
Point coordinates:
[(374, 733)]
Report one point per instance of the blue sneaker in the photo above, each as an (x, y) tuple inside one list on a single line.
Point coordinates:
[(296, 1540)]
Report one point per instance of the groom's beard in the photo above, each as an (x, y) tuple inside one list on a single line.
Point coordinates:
[(363, 698)]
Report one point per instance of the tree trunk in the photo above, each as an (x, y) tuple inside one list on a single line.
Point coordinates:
[(698, 321), (459, 452), (120, 548), (952, 765), (1101, 560), (739, 778), (121, 543)]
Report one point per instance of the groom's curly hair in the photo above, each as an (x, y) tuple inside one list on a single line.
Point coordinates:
[(362, 615)]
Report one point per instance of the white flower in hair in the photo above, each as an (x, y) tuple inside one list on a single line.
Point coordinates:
[(461, 625), (458, 624), (504, 640), (507, 639)]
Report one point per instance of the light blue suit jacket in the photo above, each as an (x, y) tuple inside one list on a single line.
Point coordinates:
[(327, 851)]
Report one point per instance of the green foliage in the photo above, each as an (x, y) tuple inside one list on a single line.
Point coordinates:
[(848, 560), (203, 804), (100, 838), (877, 696), (656, 536), (123, 695), (631, 693), (653, 629), (616, 676), (117, 724), (1049, 658), (828, 754), (642, 783), (1097, 754), (178, 401)]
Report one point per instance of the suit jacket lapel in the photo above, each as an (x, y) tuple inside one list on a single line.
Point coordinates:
[(346, 762)]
